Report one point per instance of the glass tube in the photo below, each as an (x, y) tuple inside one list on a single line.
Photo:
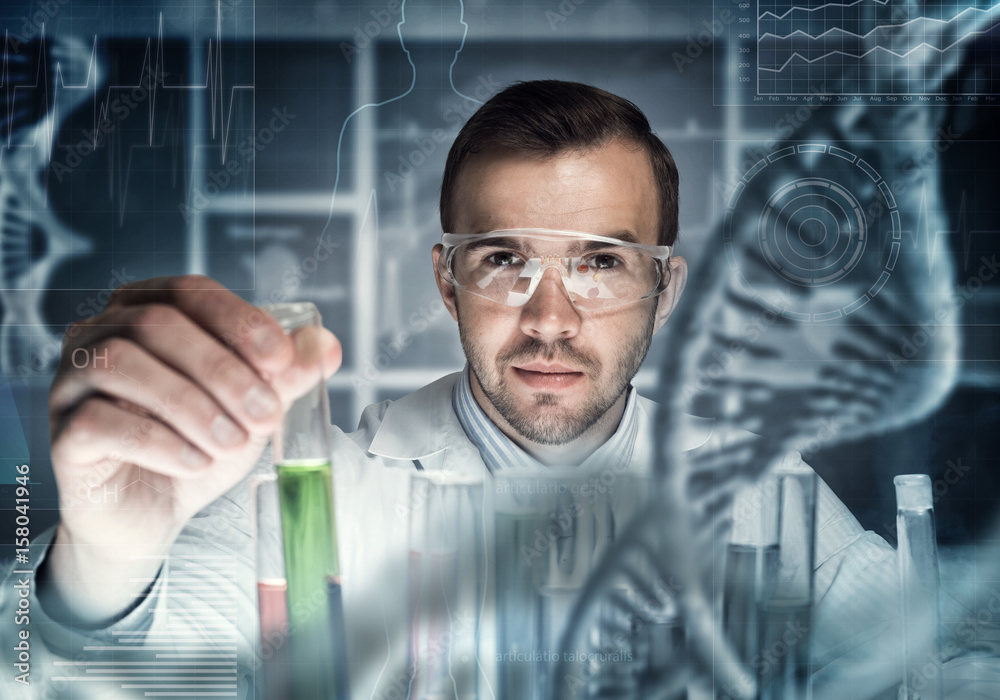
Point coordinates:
[(272, 679), (446, 572), (785, 620), (656, 646), (751, 568), (918, 587), (301, 451), (655, 649), (517, 519), (550, 530)]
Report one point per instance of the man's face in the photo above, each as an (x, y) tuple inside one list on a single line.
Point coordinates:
[(548, 371)]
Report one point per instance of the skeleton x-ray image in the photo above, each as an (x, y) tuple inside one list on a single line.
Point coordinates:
[(493, 349)]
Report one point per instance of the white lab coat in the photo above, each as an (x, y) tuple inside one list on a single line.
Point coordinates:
[(206, 592)]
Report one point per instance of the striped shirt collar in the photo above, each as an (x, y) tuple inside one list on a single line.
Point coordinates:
[(500, 452)]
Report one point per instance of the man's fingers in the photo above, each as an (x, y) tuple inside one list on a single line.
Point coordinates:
[(169, 335), (83, 437), (246, 329), (240, 325), (333, 353), (138, 377), (316, 351)]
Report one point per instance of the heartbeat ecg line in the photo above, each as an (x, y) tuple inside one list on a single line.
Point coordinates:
[(152, 73), (926, 238)]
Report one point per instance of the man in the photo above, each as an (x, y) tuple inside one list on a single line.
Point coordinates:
[(555, 315)]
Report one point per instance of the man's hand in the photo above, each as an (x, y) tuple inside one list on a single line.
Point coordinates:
[(161, 404)]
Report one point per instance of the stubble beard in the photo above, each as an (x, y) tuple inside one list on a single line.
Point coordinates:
[(543, 421)]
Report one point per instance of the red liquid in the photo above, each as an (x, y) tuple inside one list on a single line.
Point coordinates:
[(273, 607), (273, 677)]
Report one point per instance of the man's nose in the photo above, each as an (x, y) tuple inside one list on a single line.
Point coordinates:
[(549, 313)]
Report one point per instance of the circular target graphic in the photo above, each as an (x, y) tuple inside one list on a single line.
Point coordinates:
[(813, 231)]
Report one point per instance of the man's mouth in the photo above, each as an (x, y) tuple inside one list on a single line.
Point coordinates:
[(545, 376)]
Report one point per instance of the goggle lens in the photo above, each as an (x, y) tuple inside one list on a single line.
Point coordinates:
[(597, 271)]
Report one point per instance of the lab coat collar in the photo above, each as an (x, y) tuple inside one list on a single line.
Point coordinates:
[(420, 424), (423, 424)]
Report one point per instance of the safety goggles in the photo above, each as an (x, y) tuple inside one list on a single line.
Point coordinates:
[(598, 272)]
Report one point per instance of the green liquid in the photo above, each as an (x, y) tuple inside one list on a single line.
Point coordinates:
[(308, 528)]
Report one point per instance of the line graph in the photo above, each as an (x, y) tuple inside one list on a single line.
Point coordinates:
[(865, 48), (40, 80), (791, 51)]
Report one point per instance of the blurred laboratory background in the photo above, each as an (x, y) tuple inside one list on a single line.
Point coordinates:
[(294, 152)]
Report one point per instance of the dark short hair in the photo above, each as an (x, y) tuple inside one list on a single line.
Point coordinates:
[(546, 117)]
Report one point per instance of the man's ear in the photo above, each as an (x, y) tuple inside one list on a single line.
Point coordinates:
[(446, 288), (667, 301)]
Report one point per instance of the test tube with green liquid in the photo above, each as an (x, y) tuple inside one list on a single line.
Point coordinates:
[(301, 451)]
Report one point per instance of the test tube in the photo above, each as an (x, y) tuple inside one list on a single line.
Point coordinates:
[(446, 571), (750, 571), (655, 648), (518, 516), (785, 619), (272, 679), (550, 530), (641, 626), (918, 587), (301, 452), (577, 529)]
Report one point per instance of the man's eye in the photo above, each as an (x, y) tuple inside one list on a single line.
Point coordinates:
[(503, 259), (603, 261)]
